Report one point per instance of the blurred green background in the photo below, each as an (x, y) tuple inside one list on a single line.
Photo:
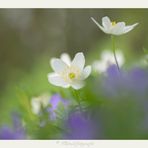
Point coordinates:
[(30, 37)]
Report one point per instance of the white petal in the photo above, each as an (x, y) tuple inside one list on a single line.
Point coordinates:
[(79, 60), (100, 66), (66, 58), (106, 22), (77, 84), (56, 80), (86, 72), (118, 29), (102, 28), (45, 100), (58, 65), (129, 28), (107, 55), (120, 57), (35, 103)]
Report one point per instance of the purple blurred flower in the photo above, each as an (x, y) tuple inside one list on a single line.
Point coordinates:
[(79, 127), (10, 133), (128, 87), (131, 83), (15, 132), (138, 78), (55, 101)]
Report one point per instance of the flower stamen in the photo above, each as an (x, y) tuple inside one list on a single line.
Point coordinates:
[(72, 75), (113, 23)]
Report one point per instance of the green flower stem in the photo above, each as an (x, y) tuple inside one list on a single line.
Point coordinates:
[(114, 51), (77, 96)]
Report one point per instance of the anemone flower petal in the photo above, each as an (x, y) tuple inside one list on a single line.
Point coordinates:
[(58, 65), (86, 72), (55, 79), (79, 60)]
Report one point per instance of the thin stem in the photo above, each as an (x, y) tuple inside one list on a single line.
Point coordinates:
[(114, 51), (78, 99)]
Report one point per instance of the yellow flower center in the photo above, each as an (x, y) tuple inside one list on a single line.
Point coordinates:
[(113, 23), (72, 75)]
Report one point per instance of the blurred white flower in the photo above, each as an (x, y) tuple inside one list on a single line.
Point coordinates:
[(113, 27), (107, 59), (69, 73), (144, 60), (38, 102)]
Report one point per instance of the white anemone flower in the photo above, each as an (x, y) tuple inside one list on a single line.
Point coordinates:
[(107, 59), (113, 28), (69, 73), (38, 102)]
